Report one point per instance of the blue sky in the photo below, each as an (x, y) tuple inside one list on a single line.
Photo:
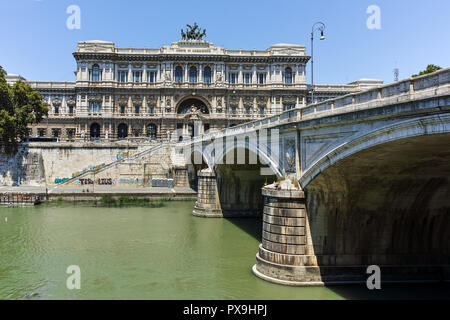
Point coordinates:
[(35, 42)]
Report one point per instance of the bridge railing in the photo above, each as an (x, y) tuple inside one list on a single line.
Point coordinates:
[(399, 92)]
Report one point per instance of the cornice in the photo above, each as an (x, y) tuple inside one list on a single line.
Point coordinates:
[(189, 57)]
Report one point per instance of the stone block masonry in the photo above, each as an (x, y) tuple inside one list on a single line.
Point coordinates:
[(208, 204), (286, 255), (50, 164)]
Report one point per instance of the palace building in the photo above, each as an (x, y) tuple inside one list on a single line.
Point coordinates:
[(128, 93)]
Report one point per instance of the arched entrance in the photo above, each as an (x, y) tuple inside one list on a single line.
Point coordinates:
[(192, 111), (191, 105), (122, 131), (95, 131)]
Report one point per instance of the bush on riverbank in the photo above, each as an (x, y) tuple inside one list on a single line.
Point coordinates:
[(109, 201)]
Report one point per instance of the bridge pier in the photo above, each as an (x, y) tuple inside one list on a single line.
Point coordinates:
[(286, 255), (180, 176), (208, 203)]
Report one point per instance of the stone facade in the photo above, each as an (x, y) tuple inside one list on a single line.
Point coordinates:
[(163, 93)]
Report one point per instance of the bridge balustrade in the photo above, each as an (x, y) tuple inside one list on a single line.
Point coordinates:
[(400, 92)]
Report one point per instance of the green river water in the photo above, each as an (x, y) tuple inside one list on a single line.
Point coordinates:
[(147, 253)]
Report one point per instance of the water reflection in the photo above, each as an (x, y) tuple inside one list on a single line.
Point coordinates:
[(144, 253)]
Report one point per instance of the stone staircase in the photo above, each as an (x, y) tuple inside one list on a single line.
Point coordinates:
[(133, 158)]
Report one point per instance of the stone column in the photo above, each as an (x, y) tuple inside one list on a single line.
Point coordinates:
[(208, 203), (286, 255)]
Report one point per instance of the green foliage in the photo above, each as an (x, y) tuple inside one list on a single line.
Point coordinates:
[(108, 200), (20, 106), (430, 69), (122, 201)]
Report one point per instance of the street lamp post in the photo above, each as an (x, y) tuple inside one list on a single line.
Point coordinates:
[(318, 26)]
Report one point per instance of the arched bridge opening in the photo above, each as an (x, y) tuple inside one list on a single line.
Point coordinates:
[(386, 205), (240, 177), (381, 199)]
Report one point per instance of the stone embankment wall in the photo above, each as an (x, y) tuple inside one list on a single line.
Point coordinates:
[(38, 164)]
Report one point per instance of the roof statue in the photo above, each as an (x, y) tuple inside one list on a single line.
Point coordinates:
[(193, 33)]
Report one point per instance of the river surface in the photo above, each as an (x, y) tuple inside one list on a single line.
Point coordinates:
[(147, 253)]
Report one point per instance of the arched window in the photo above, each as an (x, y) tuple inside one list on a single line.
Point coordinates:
[(95, 73), (207, 74), (151, 131), (288, 75), (95, 131), (192, 74), (178, 74), (122, 131)]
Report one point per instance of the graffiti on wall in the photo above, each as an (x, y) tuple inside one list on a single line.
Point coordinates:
[(131, 181), (84, 182), (90, 168), (60, 180), (105, 182), (162, 183)]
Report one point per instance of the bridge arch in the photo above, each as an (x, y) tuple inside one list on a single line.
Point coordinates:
[(426, 125), (242, 144), (382, 199)]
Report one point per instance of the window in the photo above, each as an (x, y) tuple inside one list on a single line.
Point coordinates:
[(206, 128), (247, 109), (151, 76), (123, 76), (261, 110), (137, 109), (233, 110), (180, 131), (192, 74), (41, 133), (247, 77), (151, 110), (232, 77), (288, 75), (122, 131), (261, 78), (56, 109), (56, 133), (95, 107), (70, 133), (151, 131), (207, 75), (178, 74), (95, 73), (71, 110), (137, 76), (122, 109), (288, 106)]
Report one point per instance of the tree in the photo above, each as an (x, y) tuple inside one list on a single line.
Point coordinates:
[(20, 106), (430, 69)]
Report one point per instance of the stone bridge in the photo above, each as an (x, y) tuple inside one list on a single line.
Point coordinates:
[(350, 182)]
